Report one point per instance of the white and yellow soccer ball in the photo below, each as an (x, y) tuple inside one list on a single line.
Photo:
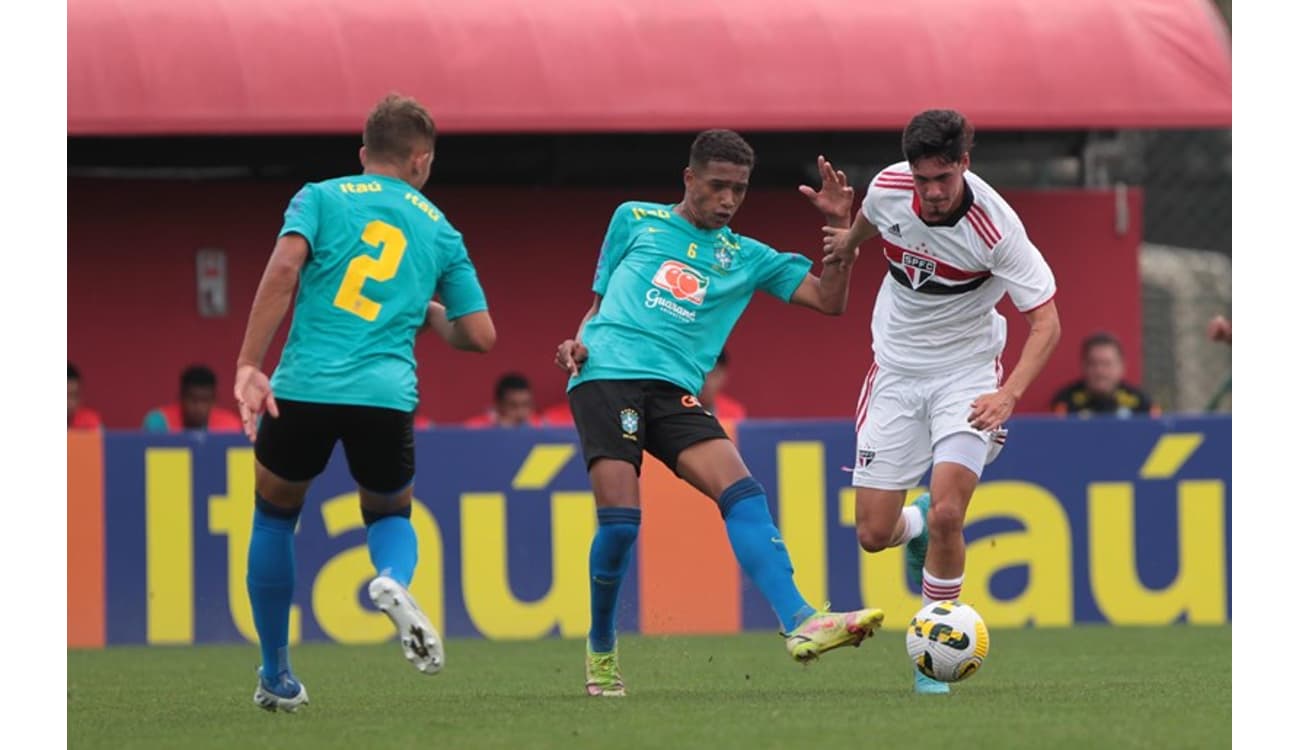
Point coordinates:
[(948, 641)]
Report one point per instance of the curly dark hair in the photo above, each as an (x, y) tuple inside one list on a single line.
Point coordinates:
[(721, 145)]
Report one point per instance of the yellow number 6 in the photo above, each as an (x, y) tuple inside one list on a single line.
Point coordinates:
[(365, 267)]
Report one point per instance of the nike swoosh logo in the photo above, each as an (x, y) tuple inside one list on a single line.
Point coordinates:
[(777, 540)]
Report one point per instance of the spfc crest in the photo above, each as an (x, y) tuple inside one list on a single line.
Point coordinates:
[(865, 458), (918, 268), (630, 420)]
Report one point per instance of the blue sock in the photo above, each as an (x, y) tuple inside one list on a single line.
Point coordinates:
[(611, 551), (271, 572), (393, 547), (760, 551)]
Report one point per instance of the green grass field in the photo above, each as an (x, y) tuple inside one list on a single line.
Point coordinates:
[(1086, 687)]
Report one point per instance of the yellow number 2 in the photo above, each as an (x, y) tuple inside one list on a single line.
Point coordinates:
[(365, 267)]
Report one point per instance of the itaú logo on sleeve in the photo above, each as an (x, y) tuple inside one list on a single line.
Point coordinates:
[(682, 281)]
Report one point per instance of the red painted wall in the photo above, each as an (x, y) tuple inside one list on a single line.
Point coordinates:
[(133, 321)]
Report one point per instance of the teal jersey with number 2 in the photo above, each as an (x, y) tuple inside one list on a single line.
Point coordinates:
[(672, 292), (379, 253)]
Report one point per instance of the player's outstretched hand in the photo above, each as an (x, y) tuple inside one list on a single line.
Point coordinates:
[(992, 410), (570, 355), (835, 199), (253, 394)]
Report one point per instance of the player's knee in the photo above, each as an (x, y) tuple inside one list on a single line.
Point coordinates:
[(945, 520), (278, 509), (872, 539), (371, 517), (741, 490)]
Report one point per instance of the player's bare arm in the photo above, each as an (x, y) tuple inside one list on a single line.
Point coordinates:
[(470, 333), (835, 198), (840, 244), (829, 293), (274, 295), (570, 354), (992, 410)]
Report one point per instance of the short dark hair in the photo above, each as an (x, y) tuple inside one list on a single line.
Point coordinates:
[(944, 133), (511, 381), (397, 126), (1100, 338), (198, 376), (721, 145), (74, 373)]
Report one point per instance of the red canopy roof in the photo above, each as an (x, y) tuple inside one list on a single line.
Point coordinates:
[(317, 66)]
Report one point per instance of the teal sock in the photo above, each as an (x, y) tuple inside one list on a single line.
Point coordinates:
[(611, 551), (393, 547), (271, 572), (761, 552)]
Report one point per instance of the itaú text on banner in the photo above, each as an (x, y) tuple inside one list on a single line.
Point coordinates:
[(1119, 521)]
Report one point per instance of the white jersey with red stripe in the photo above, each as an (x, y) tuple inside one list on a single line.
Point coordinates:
[(935, 309)]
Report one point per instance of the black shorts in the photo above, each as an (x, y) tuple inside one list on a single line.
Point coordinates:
[(379, 443), (619, 418)]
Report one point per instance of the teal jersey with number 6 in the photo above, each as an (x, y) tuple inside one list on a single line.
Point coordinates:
[(671, 293), (379, 253)]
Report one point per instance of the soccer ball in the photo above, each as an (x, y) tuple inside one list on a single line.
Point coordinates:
[(948, 641)]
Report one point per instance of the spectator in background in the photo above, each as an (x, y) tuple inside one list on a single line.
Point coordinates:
[(1102, 389), (512, 405), (196, 409), (711, 396), (79, 417), (558, 415), (1220, 329)]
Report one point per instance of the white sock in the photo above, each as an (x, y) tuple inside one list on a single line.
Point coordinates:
[(939, 589), (913, 523)]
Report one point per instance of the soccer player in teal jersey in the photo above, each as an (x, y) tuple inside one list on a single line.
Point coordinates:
[(670, 284), (368, 254)]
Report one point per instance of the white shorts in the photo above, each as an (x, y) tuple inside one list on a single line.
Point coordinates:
[(901, 418)]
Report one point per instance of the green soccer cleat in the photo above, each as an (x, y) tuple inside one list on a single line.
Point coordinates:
[(928, 685), (916, 549), (825, 631), (603, 676)]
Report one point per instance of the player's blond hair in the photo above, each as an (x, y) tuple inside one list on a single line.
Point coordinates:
[(398, 126)]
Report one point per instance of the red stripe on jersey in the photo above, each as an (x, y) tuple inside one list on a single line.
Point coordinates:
[(865, 397), (905, 175), (942, 270), (981, 218), (892, 186), (894, 181), (981, 228)]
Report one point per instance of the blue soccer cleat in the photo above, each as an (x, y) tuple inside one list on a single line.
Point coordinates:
[(284, 693), (916, 549)]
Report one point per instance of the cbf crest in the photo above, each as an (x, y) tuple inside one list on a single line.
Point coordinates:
[(724, 253), (630, 421), (724, 256)]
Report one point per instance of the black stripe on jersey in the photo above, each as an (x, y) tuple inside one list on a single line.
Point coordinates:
[(934, 287)]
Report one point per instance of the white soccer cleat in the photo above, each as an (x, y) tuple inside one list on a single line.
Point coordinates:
[(420, 641), (286, 694)]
